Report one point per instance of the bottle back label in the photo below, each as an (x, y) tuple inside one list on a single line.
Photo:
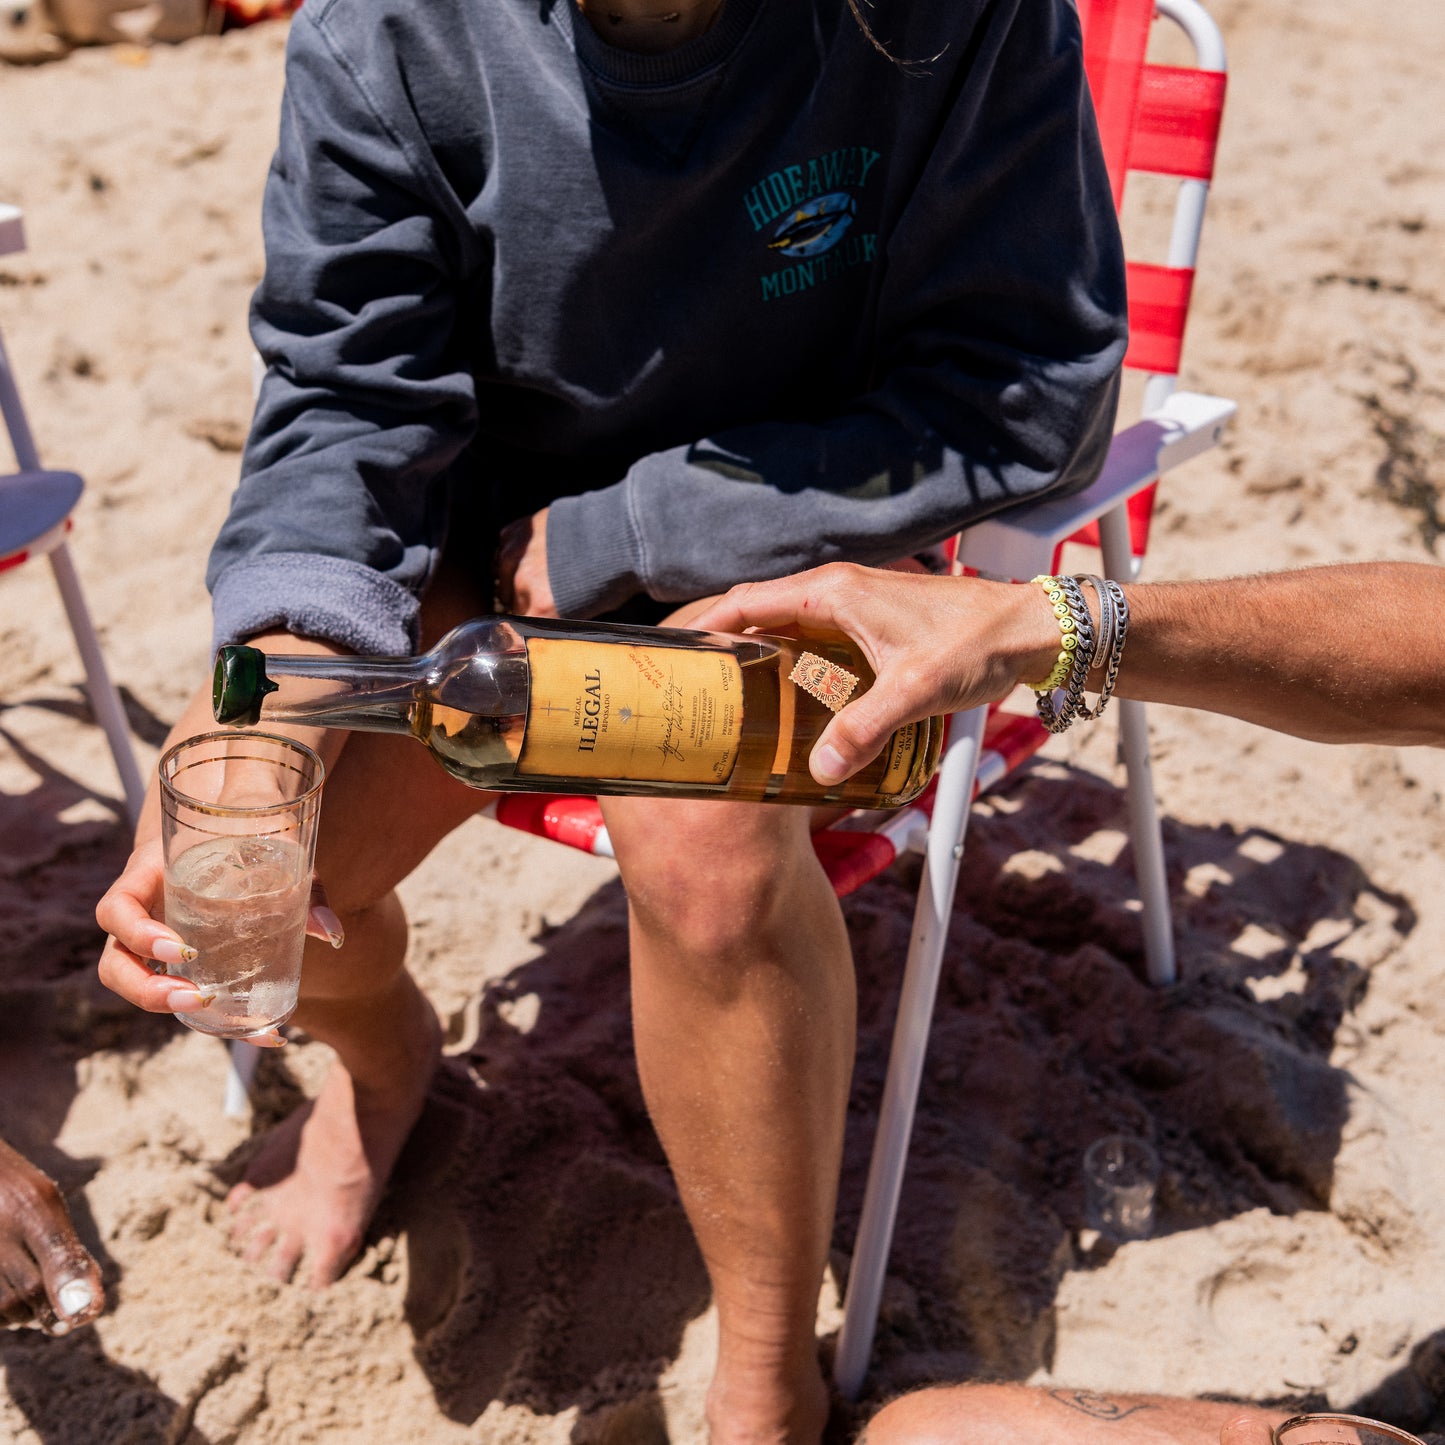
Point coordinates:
[(902, 747), (644, 714)]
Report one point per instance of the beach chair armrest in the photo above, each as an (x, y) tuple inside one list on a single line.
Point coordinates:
[(1019, 542), (12, 229)]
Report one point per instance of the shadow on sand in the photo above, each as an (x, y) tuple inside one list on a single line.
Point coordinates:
[(51, 872), (550, 1264)]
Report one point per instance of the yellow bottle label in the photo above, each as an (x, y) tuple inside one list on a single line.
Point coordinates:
[(902, 747), (645, 714)]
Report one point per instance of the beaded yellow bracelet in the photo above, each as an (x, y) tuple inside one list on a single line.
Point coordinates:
[(1069, 638)]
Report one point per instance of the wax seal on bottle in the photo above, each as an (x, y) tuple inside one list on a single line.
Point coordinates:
[(239, 685)]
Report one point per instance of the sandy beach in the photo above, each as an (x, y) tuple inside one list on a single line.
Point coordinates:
[(530, 1279)]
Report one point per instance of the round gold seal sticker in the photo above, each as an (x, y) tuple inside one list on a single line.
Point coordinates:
[(830, 684)]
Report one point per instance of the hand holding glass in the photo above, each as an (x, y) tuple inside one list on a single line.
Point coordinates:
[(238, 829)]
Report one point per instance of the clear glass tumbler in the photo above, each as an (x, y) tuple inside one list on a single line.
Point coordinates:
[(1339, 1430), (1120, 1177), (238, 828)]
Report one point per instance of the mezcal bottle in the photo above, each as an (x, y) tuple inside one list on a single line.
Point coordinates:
[(530, 704)]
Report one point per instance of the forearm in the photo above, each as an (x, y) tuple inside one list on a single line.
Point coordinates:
[(1334, 654), (1023, 1415)]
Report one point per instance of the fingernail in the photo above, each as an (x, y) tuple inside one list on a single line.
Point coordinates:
[(172, 950), (335, 933), (186, 1001), (75, 1297), (60, 1327), (827, 764)]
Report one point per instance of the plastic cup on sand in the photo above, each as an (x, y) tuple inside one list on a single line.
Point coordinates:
[(1120, 1177), (1339, 1430)]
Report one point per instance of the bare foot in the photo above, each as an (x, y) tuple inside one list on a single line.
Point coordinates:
[(314, 1185), (48, 1280), (753, 1410)]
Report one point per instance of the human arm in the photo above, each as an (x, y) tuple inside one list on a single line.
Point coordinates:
[(48, 1279), (1334, 654), (1026, 1415), (368, 399), (987, 363), (132, 909)]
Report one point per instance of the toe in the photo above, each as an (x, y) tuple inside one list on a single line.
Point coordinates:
[(258, 1242), (240, 1193), (286, 1254)]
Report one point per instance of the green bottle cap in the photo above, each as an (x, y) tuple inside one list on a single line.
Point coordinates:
[(239, 685)]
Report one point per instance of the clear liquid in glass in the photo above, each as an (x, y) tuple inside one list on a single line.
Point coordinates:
[(242, 903)]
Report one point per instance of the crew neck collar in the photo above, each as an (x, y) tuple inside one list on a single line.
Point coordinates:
[(672, 67)]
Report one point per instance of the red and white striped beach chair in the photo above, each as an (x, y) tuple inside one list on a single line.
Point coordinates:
[(1162, 120), (1158, 119), (35, 513)]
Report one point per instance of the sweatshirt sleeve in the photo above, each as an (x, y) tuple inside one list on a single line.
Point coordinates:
[(1002, 330), (367, 400)]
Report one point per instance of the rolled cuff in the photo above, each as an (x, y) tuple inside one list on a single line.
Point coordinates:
[(594, 552), (314, 596)]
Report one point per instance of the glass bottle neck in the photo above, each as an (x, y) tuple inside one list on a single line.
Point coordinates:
[(373, 694)]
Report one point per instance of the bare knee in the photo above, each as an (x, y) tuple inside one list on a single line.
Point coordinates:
[(709, 877), (372, 952)]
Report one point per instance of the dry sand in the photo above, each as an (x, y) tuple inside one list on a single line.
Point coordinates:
[(531, 1279)]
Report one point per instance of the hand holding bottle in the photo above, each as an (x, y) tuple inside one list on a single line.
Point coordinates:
[(998, 636)]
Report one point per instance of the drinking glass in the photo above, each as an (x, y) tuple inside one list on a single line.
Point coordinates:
[(1339, 1430), (1120, 1176), (238, 829)]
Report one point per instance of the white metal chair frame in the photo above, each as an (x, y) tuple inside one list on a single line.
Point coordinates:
[(35, 510), (1016, 546)]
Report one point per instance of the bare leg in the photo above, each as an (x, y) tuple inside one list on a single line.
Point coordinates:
[(743, 1009), (314, 1185), (1019, 1415)]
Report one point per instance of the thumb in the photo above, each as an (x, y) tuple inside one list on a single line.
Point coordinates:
[(321, 921), (853, 739)]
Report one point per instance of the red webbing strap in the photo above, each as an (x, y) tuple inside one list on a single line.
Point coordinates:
[(1177, 128), (1116, 35), (852, 859), (574, 821), (849, 857), (1158, 307)]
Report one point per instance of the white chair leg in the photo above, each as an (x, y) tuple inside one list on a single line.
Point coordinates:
[(104, 699), (240, 1071), (1159, 963), (910, 1041), (1148, 841)]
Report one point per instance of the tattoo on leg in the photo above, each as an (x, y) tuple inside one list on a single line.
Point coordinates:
[(1097, 1407)]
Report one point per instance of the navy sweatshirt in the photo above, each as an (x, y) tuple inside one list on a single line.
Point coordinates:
[(764, 301)]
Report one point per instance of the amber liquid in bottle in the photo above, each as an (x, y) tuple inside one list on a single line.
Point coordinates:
[(523, 704)]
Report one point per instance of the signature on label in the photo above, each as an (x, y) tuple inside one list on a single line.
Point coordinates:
[(674, 720)]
